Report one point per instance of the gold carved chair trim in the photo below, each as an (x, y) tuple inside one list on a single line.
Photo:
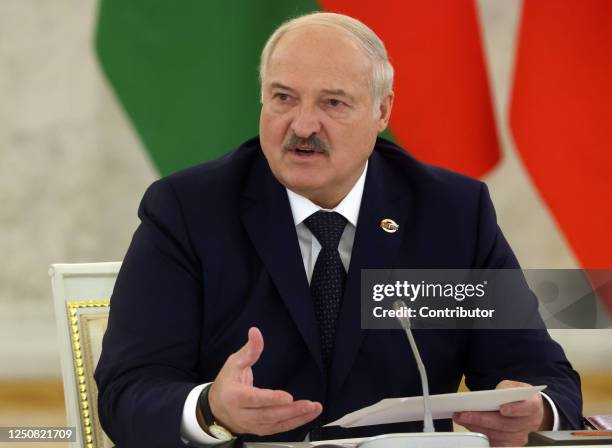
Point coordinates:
[(87, 320)]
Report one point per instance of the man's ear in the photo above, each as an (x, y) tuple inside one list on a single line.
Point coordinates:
[(384, 110)]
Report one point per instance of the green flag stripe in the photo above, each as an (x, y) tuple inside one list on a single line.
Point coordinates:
[(186, 72)]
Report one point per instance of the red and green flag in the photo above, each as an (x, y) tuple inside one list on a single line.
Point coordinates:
[(186, 74)]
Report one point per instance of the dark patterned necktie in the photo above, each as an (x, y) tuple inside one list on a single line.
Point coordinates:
[(326, 289), (327, 283)]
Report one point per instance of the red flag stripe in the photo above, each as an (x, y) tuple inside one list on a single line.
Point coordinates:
[(561, 120), (442, 113), (561, 117)]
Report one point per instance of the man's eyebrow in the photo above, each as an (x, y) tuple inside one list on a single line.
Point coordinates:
[(278, 85), (338, 92)]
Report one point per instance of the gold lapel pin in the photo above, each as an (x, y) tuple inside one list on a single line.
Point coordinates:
[(389, 226)]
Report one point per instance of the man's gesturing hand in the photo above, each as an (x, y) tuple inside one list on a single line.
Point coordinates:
[(513, 422), (242, 408)]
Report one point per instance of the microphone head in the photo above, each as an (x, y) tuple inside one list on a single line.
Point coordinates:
[(404, 320)]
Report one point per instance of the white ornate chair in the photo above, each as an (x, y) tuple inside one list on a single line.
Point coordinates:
[(81, 293)]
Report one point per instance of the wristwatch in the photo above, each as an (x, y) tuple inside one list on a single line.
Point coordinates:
[(212, 427)]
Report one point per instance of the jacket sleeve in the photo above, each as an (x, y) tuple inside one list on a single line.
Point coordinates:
[(530, 356), (150, 350)]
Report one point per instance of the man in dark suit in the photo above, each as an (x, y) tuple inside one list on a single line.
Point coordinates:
[(270, 241)]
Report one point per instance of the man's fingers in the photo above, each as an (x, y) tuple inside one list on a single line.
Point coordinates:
[(254, 397), (250, 352), (523, 408), (292, 422), (511, 425), (272, 415), (507, 384)]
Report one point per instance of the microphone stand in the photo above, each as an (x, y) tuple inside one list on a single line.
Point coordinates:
[(428, 425), (428, 438)]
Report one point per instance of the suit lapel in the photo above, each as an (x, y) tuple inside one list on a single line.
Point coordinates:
[(267, 217), (373, 248)]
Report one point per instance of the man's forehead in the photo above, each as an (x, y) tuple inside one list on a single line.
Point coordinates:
[(322, 53), (319, 41)]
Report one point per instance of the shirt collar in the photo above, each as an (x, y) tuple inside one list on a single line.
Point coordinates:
[(302, 208)]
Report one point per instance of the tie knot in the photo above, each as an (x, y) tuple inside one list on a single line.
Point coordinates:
[(327, 227)]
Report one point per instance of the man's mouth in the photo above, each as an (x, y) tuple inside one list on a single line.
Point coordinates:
[(305, 151)]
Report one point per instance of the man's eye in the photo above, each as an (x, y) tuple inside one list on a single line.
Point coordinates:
[(333, 102), (281, 96)]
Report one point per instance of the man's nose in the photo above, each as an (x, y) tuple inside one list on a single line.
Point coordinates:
[(306, 121)]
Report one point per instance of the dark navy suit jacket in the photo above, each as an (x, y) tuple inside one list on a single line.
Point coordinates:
[(217, 253)]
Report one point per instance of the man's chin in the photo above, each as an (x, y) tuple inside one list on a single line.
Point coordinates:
[(305, 189)]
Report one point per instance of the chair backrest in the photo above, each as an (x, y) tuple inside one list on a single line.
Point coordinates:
[(81, 295)]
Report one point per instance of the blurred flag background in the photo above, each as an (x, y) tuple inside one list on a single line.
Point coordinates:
[(98, 98), (560, 119)]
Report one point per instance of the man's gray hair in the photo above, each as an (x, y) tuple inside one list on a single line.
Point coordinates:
[(382, 71)]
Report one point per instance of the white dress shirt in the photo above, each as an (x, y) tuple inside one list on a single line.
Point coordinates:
[(301, 208)]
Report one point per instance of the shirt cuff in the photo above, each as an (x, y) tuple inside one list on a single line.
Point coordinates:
[(554, 410), (192, 433)]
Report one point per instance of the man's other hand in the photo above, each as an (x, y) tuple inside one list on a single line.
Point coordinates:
[(513, 422), (242, 408)]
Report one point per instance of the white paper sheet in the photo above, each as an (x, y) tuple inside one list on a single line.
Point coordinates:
[(409, 409)]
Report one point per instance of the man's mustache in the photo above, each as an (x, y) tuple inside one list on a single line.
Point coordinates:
[(312, 142)]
